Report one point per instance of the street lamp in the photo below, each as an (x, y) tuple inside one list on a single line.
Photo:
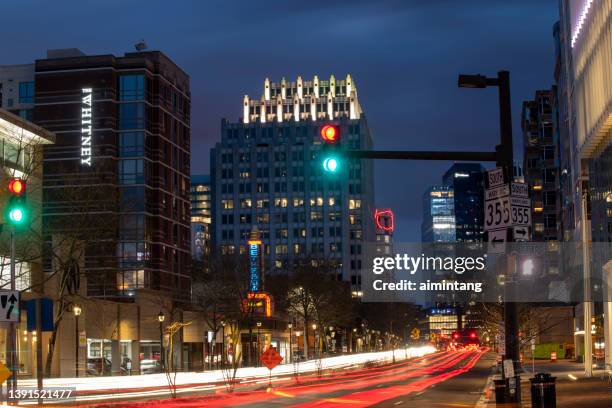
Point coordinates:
[(161, 318), (258, 345), (76, 309), (314, 336), (290, 326), (222, 343)]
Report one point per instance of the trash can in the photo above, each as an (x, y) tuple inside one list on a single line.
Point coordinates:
[(543, 392), (500, 391)]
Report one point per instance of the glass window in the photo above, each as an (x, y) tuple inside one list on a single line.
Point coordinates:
[(131, 144), (131, 87), (132, 116), (131, 171), (26, 92)]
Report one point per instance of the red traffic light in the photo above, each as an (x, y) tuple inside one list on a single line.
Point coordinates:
[(16, 186), (472, 335), (455, 336), (330, 133)]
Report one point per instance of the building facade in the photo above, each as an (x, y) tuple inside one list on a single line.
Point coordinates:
[(541, 165), (385, 225), (201, 219), (438, 215), (265, 173), (467, 183), (17, 89), (118, 176)]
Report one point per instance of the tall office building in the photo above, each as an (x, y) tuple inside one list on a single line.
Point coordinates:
[(540, 164), (201, 203), (467, 183), (385, 225), (438, 215), (17, 89), (118, 175), (264, 173)]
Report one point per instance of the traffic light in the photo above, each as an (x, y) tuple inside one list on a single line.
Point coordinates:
[(331, 157), (16, 212)]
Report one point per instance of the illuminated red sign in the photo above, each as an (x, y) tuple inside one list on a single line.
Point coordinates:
[(384, 220)]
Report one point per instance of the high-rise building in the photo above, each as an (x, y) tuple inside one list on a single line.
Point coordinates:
[(264, 173), (17, 89), (541, 166), (438, 215), (201, 203), (467, 183), (118, 175)]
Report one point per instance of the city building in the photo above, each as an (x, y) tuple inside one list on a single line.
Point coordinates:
[(541, 166), (438, 223), (201, 203), (17, 89), (264, 173), (467, 183), (116, 205), (21, 145), (122, 155), (585, 36)]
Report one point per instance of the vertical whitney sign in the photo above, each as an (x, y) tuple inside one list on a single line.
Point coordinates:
[(86, 127)]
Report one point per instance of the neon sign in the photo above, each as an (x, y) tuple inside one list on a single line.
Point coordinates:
[(259, 303), (384, 220), (86, 126), (254, 265)]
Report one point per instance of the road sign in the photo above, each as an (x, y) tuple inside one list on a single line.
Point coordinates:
[(508, 368), (521, 233), (5, 373), (521, 215), (497, 214), (497, 241), (270, 358), (415, 333), (9, 306), (495, 177), (519, 190), (497, 192)]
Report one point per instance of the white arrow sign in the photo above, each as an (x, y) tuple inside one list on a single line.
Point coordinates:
[(9, 306)]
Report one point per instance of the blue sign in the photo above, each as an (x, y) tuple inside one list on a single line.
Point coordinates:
[(254, 270), (46, 315)]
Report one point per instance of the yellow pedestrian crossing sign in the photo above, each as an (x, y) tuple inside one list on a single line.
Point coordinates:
[(415, 333), (5, 373)]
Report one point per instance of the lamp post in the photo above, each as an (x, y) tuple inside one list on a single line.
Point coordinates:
[(258, 346), (161, 318), (290, 326), (76, 309), (222, 343), (314, 336)]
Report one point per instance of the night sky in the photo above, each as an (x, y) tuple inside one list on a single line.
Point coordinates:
[(403, 55)]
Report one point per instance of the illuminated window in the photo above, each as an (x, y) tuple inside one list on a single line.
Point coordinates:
[(354, 204), (246, 203), (298, 202), (280, 202), (263, 203), (227, 204)]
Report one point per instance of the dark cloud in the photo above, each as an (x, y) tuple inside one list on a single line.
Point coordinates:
[(404, 56)]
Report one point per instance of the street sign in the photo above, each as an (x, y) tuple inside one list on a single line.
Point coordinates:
[(415, 333), (519, 190), (521, 233), (497, 192), (497, 241), (508, 368), (495, 177), (82, 338), (9, 306), (270, 358), (5, 373), (521, 215), (497, 214)]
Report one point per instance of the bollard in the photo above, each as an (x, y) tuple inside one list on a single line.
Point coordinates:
[(543, 391)]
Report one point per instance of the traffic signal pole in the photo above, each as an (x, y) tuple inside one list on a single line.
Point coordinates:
[(13, 326), (504, 158)]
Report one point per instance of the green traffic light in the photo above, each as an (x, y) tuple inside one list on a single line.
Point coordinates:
[(330, 164), (16, 215)]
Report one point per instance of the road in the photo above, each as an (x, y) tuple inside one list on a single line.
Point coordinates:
[(444, 379)]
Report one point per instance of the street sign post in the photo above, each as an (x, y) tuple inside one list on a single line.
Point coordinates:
[(9, 306)]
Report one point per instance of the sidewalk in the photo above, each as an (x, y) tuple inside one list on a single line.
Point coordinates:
[(574, 390)]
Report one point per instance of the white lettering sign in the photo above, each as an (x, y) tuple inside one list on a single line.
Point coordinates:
[(86, 126)]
